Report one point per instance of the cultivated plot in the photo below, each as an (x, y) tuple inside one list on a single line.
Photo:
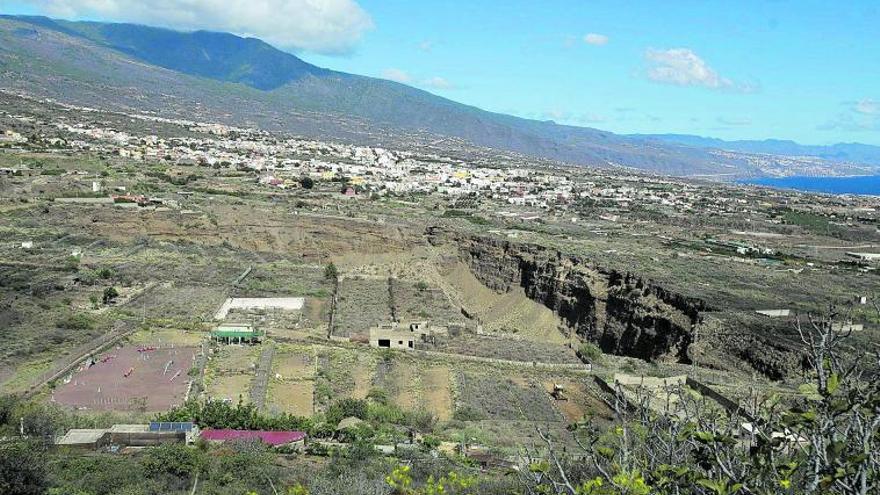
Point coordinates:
[(361, 304)]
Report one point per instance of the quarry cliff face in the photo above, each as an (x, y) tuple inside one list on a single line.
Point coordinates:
[(622, 313)]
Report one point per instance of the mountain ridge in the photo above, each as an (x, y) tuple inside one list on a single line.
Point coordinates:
[(246, 81), (851, 152)]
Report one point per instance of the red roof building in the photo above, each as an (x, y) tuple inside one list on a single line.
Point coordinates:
[(273, 438)]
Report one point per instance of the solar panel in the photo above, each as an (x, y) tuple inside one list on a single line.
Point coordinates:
[(171, 426)]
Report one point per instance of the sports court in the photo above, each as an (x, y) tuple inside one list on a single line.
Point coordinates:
[(129, 378)]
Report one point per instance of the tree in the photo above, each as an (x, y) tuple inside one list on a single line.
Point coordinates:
[(110, 295), (173, 464), (826, 440), (22, 469), (330, 271), (306, 182)]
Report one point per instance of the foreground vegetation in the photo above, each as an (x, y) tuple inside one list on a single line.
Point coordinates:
[(827, 440)]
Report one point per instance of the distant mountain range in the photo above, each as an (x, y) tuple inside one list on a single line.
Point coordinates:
[(846, 152), (244, 81)]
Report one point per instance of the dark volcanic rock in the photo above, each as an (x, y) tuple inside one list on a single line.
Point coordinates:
[(621, 312)]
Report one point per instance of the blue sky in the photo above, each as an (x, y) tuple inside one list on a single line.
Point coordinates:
[(802, 70)]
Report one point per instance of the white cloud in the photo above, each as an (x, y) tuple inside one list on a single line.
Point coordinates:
[(397, 75), (867, 107), (426, 46), (404, 77), (683, 67), (566, 117), (595, 39), (437, 83), (321, 26)]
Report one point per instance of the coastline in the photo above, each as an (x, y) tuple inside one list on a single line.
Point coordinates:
[(859, 185)]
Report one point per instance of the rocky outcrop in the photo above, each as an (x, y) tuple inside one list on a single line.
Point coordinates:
[(621, 312)]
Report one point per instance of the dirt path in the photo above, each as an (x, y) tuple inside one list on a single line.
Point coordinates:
[(260, 382)]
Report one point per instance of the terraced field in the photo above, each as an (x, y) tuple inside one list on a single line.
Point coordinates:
[(497, 396), (418, 301), (361, 303), (510, 349), (230, 371)]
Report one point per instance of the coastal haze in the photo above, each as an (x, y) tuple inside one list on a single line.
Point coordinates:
[(226, 268)]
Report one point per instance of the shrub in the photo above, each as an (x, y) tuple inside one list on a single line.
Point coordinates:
[(110, 295), (219, 414), (22, 469), (589, 352), (467, 413), (378, 395), (421, 420), (385, 413), (345, 408), (172, 460), (77, 321)]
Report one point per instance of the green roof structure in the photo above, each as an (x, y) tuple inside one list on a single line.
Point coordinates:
[(236, 333)]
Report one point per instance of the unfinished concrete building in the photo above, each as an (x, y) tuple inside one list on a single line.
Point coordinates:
[(405, 335)]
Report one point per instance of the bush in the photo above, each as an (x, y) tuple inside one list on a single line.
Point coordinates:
[(385, 413), (77, 321), (421, 420), (219, 414), (467, 413), (175, 460), (110, 295), (346, 408), (589, 352), (22, 469), (105, 273), (378, 395)]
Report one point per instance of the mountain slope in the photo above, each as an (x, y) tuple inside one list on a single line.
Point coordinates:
[(219, 56), (226, 78)]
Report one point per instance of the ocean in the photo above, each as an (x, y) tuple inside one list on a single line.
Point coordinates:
[(863, 185)]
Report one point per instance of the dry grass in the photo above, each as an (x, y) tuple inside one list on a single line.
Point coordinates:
[(292, 397), (167, 336), (230, 387), (510, 313), (437, 392)]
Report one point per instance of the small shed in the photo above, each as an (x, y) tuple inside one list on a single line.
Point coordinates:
[(84, 439)]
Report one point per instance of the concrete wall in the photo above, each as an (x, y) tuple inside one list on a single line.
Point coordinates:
[(729, 405), (280, 303), (397, 339), (147, 438)]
